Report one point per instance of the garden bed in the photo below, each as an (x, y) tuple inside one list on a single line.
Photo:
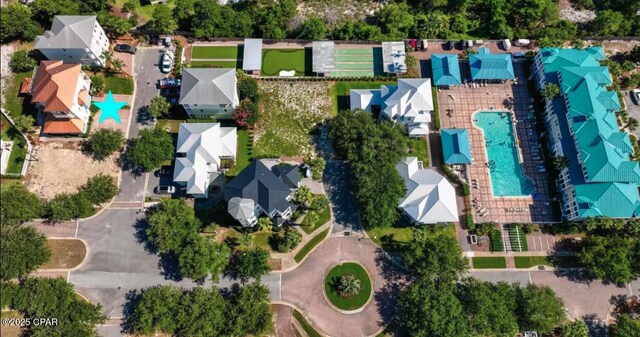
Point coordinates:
[(324, 216), (352, 302)]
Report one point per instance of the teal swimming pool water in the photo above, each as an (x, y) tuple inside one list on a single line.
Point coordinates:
[(507, 177)]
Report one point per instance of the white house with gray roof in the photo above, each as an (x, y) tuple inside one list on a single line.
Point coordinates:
[(209, 92), (199, 154), (74, 39)]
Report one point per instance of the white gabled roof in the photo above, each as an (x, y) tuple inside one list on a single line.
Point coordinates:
[(412, 97), (430, 198), (68, 31), (203, 145), (363, 99)]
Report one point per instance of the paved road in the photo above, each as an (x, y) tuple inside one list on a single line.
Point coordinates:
[(303, 287), (147, 73), (338, 185)]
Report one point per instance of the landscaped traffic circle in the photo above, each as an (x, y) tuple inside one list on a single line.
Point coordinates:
[(347, 286)]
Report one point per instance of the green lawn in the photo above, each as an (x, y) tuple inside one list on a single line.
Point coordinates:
[(495, 237), (216, 64), (244, 154), (311, 332), (144, 9), (340, 92), (19, 149), (217, 52), (310, 245), (275, 60), (436, 111), (171, 125), (323, 216), (118, 85), (531, 261), (418, 148), (261, 240), (333, 277), (391, 238), (14, 104), (489, 262)]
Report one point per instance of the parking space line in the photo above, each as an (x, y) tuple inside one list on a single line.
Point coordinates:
[(533, 239)]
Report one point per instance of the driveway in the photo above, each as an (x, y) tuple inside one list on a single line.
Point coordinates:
[(147, 73), (303, 287), (338, 185)]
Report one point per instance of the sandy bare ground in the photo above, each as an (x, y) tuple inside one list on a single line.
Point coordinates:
[(62, 168)]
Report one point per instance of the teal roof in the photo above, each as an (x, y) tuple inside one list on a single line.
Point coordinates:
[(446, 70), (610, 179), (487, 66), (614, 200), (455, 146)]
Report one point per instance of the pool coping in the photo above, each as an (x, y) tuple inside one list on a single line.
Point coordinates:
[(513, 123)]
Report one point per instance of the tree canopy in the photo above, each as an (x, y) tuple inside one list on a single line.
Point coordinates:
[(23, 248), (150, 149), (19, 205), (250, 264), (103, 143), (373, 150)]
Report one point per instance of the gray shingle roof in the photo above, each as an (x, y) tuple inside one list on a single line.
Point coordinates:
[(257, 182), (68, 31), (208, 86)]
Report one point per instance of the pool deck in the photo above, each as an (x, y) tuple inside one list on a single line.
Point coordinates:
[(463, 101)]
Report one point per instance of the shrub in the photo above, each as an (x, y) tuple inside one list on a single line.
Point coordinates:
[(159, 107), (527, 228), (103, 143), (485, 228), (97, 85), (22, 62), (469, 219), (247, 86), (317, 167), (287, 242), (100, 189)]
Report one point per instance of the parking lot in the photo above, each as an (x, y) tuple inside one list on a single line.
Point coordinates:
[(633, 108)]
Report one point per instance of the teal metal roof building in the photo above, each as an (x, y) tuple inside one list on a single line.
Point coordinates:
[(445, 69), (455, 146), (601, 179), (487, 66)]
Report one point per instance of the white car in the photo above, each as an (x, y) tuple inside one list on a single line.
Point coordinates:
[(635, 96), (167, 62)]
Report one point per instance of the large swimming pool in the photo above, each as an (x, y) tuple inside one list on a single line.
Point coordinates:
[(507, 177)]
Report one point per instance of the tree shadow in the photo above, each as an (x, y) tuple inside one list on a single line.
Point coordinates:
[(573, 275), (597, 328), (390, 267), (141, 226), (132, 298), (170, 267), (387, 301)]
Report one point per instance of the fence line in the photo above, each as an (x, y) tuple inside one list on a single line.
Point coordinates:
[(25, 163)]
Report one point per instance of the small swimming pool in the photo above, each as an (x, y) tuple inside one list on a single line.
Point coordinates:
[(507, 177)]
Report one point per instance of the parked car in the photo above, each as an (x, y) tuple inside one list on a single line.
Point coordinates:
[(167, 41), (506, 44), (522, 42), (170, 83), (165, 189), (125, 48), (635, 95), (169, 92), (423, 44), (167, 62), (163, 171), (449, 45), (463, 44)]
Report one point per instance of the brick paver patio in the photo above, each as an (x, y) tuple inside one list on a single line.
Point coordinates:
[(457, 106)]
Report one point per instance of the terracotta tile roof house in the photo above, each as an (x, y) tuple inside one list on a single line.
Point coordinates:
[(61, 91)]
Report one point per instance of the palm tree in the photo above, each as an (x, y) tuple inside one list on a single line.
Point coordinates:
[(303, 196), (311, 218), (560, 162), (117, 65), (349, 285), (321, 202), (264, 224), (550, 90), (632, 124)]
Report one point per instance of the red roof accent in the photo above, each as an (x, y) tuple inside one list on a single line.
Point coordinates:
[(25, 85), (54, 125), (55, 84)]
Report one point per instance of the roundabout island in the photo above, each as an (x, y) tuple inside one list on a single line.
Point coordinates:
[(347, 287)]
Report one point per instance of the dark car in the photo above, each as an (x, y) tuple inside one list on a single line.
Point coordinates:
[(172, 92), (449, 45), (463, 44), (125, 48)]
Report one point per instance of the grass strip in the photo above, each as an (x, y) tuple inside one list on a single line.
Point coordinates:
[(489, 262), (310, 245), (311, 332)]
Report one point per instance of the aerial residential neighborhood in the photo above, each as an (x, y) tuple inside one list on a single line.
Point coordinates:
[(300, 168)]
